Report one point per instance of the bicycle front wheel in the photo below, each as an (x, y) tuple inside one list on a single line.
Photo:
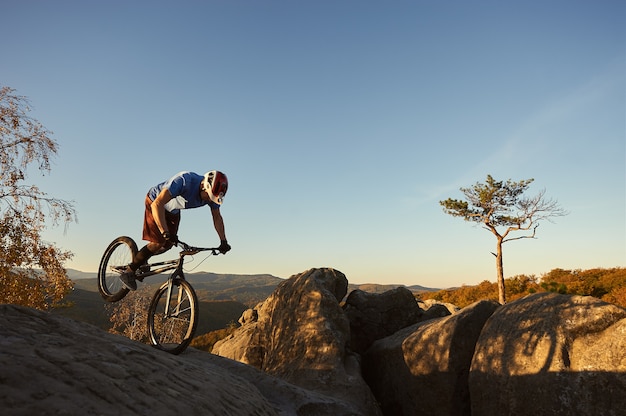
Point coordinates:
[(173, 316), (119, 254)]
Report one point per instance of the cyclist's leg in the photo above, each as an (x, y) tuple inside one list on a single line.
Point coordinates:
[(130, 276), (152, 234), (142, 256)]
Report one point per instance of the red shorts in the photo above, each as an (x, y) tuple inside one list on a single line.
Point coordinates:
[(151, 231)]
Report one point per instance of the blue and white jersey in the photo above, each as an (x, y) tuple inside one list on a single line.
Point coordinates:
[(185, 190)]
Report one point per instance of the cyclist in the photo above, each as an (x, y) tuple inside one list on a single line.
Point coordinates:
[(164, 201)]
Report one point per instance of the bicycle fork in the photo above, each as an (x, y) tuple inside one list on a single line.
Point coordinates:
[(170, 288)]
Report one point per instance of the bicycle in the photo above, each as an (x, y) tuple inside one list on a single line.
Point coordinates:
[(173, 312)]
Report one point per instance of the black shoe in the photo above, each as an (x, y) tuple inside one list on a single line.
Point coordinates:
[(141, 271), (128, 280)]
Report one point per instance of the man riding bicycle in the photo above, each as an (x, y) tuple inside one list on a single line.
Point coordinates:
[(163, 203)]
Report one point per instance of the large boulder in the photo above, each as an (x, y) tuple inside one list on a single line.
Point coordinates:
[(374, 316), (551, 354), (423, 369), (301, 335)]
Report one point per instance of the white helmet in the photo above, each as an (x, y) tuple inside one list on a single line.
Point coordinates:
[(215, 183)]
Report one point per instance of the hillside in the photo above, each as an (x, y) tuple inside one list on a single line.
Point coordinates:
[(78, 275), (247, 289), (87, 306), (606, 284), (378, 288), (223, 285), (222, 297)]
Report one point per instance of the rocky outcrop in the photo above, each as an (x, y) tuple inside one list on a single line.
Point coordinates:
[(543, 354), (551, 354), (375, 316), (301, 335), (423, 369), (434, 366)]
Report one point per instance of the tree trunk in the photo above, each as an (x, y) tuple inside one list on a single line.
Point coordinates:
[(500, 268)]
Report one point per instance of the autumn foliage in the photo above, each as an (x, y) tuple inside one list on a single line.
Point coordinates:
[(606, 284), (31, 269)]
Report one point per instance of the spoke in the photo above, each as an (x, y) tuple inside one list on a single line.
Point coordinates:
[(175, 315)]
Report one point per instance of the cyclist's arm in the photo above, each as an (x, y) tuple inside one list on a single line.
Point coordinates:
[(218, 222), (158, 209)]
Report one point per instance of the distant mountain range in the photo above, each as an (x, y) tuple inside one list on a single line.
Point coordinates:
[(218, 282), (222, 297)]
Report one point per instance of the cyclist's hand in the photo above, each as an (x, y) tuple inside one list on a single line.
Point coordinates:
[(224, 247), (169, 238)]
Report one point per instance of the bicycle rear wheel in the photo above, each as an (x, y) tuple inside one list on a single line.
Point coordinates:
[(172, 330), (119, 254)]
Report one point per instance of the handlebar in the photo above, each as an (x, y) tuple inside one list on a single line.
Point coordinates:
[(188, 250)]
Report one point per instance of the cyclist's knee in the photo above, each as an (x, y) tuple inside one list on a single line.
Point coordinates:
[(162, 248), (159, 248)]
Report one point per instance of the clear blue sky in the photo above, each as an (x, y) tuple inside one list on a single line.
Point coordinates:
[(341, 125)]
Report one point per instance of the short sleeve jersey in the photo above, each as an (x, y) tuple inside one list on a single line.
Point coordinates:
[(185, 190)]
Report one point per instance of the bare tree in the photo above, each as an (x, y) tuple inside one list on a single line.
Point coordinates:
[(129, 316), (502, 209), (31, 270)]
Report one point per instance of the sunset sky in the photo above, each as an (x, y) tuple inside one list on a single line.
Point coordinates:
[(340, 124)]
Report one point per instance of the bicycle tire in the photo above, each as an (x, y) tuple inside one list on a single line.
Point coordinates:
[(116, 257), (173, 333)]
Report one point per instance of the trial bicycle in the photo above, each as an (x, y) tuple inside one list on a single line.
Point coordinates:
[(173, 312)]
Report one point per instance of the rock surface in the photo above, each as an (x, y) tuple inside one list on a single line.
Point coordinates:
[(375, 316), (551, 354), (545, 354), (301, 335), (51, 365), (423, 369)]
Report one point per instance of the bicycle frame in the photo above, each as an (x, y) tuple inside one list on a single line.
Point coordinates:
[(177, 266), (168, 265)]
